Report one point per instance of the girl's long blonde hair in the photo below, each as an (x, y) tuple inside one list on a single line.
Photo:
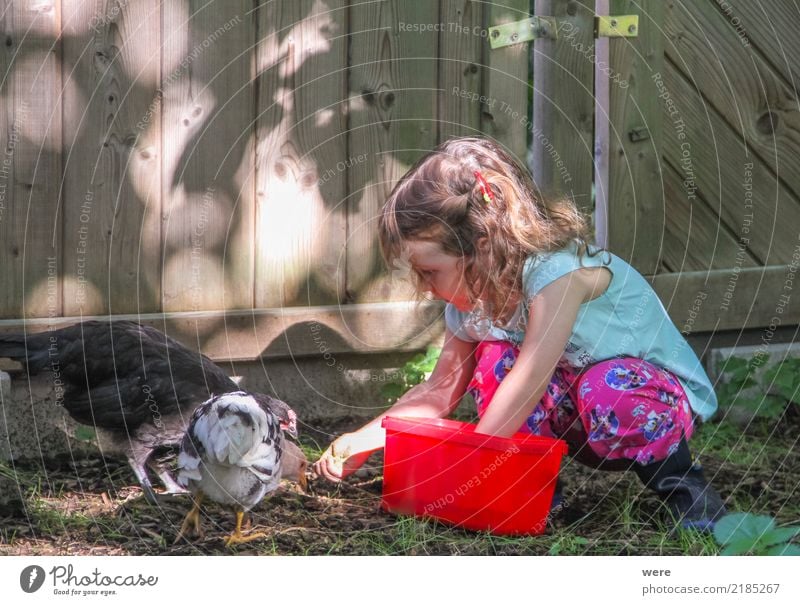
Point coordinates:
[(439, 199)]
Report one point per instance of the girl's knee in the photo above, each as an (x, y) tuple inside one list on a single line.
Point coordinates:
[(495, 359), (489, 352)]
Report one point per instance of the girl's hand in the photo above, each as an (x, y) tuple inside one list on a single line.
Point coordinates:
[(434, 398), (339, 461)]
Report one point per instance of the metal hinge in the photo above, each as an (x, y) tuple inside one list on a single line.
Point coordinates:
[(617, 26), (522, 31)]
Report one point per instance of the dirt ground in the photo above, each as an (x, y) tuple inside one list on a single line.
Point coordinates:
[(94, 507)]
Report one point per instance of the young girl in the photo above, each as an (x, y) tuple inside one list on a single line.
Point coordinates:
[(549, 334)]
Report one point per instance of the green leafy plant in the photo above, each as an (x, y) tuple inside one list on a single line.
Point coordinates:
[(746, 533), (784, 378), (741, 376), (415, 371), (84, 433)]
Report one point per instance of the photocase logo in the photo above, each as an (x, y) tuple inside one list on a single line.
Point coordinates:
[(31, 578)]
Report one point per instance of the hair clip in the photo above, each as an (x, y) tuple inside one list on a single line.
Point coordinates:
[(488, 196)]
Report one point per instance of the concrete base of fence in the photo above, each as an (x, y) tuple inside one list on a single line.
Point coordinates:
[(32, 426), (34, 430)]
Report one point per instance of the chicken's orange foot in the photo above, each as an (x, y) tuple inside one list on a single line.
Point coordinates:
[(237, 537), (191, 524)]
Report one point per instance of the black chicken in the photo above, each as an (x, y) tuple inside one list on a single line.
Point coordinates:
[(136, 385)]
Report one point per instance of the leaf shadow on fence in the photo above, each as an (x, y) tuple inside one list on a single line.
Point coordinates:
[(204, 155)]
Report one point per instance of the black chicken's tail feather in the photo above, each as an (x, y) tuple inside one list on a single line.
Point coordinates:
[(31, 350)]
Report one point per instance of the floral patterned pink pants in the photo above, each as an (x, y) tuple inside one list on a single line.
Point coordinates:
[(621, 408)]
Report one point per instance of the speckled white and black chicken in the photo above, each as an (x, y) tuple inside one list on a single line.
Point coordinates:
[(234, 453), (134, 384)]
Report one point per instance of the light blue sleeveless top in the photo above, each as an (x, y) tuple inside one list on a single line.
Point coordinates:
[(627, 320)]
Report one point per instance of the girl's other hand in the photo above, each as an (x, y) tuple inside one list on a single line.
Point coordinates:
[(339, 461)]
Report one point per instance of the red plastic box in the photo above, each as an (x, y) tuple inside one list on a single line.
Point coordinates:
[(443, 469)]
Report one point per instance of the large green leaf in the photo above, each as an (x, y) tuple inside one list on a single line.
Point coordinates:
[(742, 533), (779, 535), (740, 546), (784, 550), (738, 526)]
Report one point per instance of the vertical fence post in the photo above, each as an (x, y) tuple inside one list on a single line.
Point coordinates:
[(563, 102), (634, 188)]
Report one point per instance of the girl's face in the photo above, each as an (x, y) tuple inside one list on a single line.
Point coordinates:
[(442, 274)]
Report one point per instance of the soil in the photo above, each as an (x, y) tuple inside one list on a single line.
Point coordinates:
[(95, 507)]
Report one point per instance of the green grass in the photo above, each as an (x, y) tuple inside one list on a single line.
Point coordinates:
[(607, 513), (311, 447), (51, 521), (730, 443), (411, 536), (632, 533)]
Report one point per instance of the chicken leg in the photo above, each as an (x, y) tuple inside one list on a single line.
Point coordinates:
[(237, 537), (191, 524)]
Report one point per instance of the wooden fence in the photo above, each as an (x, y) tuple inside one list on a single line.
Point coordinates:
[(216, 168)]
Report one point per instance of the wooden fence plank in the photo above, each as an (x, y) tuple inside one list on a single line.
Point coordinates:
[(112, 155), (507, 112), (392, 121), (634, 190), (747, 92), (771, 27), (460, 55), (696, 303), (285, 333), (695, 238), (716, 164), (301, 153), (563, 103), (30, 162), (208, 154)]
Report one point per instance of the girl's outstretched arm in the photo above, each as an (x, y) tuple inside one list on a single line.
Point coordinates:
[(434, 398), (552, 315)]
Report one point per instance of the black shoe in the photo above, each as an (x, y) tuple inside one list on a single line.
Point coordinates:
[(693, 503), (681, 484)]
